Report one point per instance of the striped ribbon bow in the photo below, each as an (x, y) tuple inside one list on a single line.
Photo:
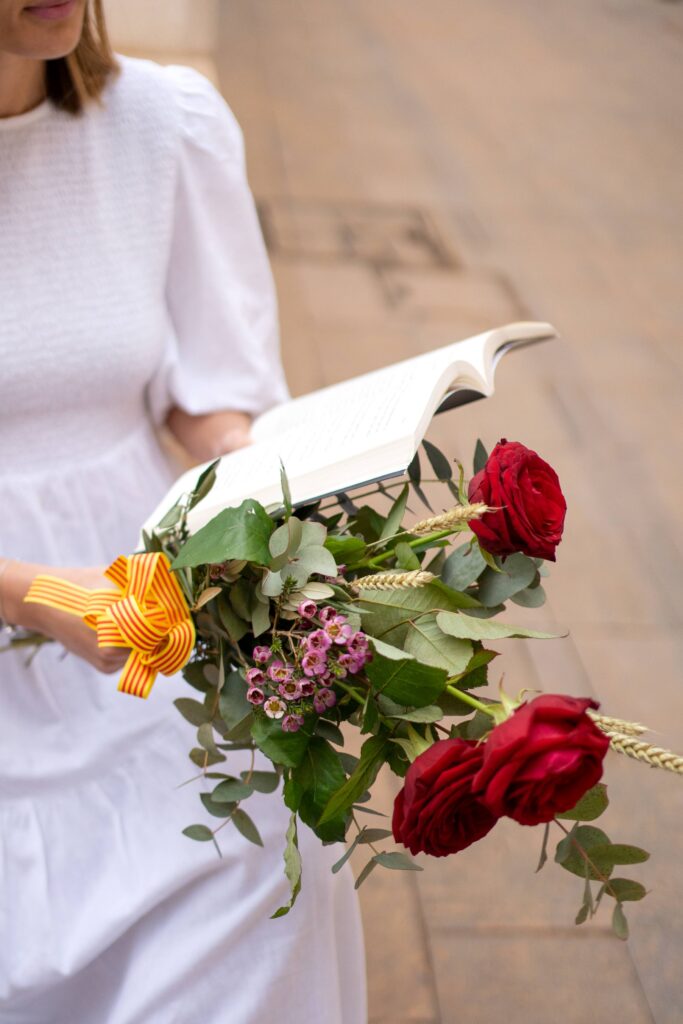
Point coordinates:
[(147, 613)]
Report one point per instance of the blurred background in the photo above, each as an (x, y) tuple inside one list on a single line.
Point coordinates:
[(425, 171)]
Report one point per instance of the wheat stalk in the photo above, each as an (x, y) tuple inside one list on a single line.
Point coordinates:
[(609, 724), (455, 516), (394, 580), (656, 757)]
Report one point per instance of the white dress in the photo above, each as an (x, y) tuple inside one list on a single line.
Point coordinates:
[(132, 276)]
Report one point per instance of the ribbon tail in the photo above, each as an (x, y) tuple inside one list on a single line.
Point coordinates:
[(59, 594), (137, 678)]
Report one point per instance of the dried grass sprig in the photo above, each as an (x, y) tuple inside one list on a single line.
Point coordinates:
[(609, 724), (454, 516), (394, 580)]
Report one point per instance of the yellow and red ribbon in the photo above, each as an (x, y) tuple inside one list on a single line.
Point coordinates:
[(147, 613)]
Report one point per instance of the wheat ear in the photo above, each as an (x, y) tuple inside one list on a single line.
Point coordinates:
[(609, 724), (455, 516), (656, 757), (394, 580)]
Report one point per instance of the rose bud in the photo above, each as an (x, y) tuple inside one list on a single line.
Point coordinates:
[(527, 505), (541, 761), (439, 811)]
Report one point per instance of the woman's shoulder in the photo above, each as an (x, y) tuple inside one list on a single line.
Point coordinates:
[(173, 99)]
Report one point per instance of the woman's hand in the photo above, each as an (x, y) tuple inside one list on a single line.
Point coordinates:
[(68, 630), (212, 435)]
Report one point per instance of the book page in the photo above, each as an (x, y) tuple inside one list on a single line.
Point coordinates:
[(341, 436)]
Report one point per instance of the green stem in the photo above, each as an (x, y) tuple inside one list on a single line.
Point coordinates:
[(350, 690), (416, 543), (467, 698)]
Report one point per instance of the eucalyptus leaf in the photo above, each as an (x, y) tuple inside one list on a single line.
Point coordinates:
[(219, 810), (625, 890), (396, 861), (619, 922), (246, 826), (467, 627), (590, 806), (315, 559), (272, 584), (513, 575), (531, 597), (312, 534), (260, 619), (230, 791), (279, 541), (367, 870), (203, 758), (234, 626), (594, 844), (192, 710), (463, 566), (262, 782), (202, 833), (232, 702)]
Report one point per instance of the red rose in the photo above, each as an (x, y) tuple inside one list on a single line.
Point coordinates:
[(437, 811), (529, 507), (542, 760)]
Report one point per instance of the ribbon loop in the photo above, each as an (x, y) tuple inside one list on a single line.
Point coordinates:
[(147, 612)]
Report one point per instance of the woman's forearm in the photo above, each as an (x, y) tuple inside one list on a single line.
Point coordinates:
[(210, 435)]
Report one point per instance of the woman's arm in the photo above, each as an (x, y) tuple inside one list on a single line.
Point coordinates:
[(68, 630), (210, 435)]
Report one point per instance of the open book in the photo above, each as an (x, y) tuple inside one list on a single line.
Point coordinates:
[(348, 434)]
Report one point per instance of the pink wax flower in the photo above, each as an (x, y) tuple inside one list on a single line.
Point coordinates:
[(292, 722), (307, 687), (261, 655), (339, 630), (358, 642), (318, 640), (314, 663), (274, 707), (327, 613), (255, 677), (307, 609), (279, 672), (323, 700), (255, 695), (353, 663), (290, 690)]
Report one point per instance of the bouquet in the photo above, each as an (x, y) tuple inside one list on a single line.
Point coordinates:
[(295, 627)]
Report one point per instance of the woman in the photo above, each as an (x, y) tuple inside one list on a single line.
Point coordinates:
[(134, 290)]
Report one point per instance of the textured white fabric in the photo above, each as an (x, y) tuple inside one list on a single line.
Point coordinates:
[(133, 276)]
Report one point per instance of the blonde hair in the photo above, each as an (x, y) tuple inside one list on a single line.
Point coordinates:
[(82, 75)]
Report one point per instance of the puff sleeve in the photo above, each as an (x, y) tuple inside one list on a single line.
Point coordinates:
[(223, 348)]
